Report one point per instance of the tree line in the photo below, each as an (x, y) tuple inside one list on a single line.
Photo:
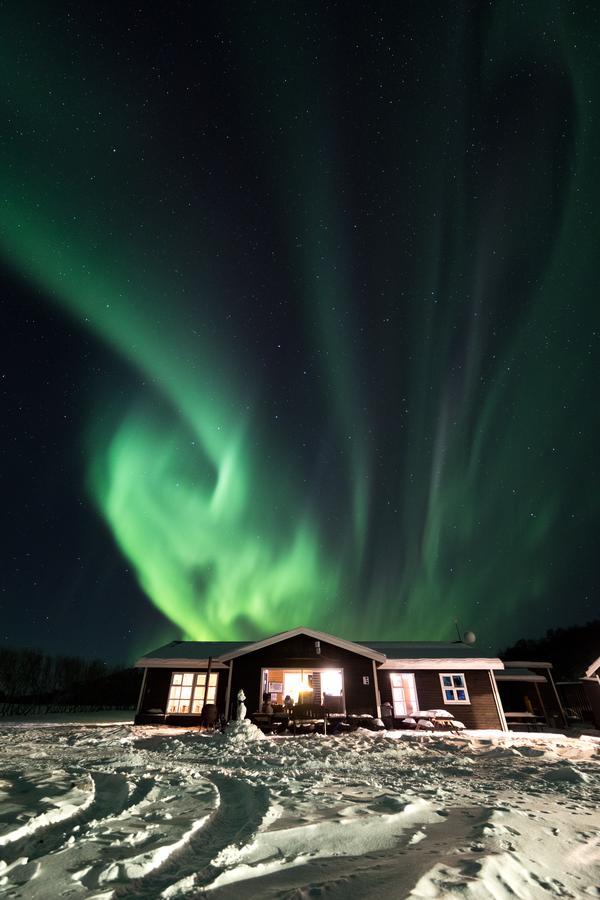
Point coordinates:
[(30, 676), (570, 650)]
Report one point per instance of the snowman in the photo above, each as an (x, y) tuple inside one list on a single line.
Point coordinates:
[(241, 706)]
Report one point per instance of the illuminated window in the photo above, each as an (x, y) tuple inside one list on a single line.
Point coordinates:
[(454, 688), (404, 694), (298, 685), (186, 695), (305, 686), (332, 682)]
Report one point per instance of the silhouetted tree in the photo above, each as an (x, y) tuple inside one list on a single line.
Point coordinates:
[(33, 677), (570, 650)]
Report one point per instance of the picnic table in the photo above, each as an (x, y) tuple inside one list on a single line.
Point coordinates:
[(300, 718), (432, 719), (526, 719), (306, 717)]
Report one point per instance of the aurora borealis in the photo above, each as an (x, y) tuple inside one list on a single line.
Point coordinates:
[(342, 272)]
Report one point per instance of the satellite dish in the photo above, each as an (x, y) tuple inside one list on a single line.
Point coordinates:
[(469, 637)]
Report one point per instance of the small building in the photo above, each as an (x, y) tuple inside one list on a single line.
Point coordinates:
[(529, 694), (581, 698), (591, 686), (331, 673)]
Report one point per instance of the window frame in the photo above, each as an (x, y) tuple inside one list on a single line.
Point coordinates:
[(305, 670), (402, 676), (197, 685), (454, 688)]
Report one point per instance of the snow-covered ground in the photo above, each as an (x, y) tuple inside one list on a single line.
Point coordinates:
[(108, 811)]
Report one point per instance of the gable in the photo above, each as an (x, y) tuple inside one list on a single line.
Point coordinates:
[(308, 638)]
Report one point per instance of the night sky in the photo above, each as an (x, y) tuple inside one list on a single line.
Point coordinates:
[(301, 321)]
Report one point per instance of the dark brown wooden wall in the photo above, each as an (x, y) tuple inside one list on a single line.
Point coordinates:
[(481, 712), (156, 691), (299, 653)]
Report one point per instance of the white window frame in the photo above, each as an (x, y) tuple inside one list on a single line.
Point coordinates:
[(409, 697), (197, 686), (454, 688)]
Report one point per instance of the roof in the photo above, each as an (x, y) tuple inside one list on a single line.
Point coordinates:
[(526, 664), (426, 649), (433, 655), (519, 674), (190, 654), (391, 654)]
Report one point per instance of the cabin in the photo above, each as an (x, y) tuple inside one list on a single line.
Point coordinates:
[(529, 695), (340, 678), (581, 698)]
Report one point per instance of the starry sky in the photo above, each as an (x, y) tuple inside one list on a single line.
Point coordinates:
[(301, 321)]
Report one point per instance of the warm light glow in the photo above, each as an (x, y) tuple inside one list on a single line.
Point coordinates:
[(331, 682), (295, 684)]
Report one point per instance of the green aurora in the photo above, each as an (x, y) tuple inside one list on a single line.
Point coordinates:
[(436, 263)]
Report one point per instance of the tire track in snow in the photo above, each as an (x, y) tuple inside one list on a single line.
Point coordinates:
[(241, 810), (111, 796)]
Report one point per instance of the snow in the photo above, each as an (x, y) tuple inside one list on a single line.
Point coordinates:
[(103, 810)]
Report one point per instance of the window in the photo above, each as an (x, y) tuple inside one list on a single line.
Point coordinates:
[(186, 694), (404, 694), (311, 686), (454, 688)]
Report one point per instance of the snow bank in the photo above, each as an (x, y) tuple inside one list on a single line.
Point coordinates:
[(241, 732)]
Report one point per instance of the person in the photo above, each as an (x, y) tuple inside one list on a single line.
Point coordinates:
[(288, 703), (267, 708)]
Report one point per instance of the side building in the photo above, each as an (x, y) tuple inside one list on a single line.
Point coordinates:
[(529, 694), (310, 666), (581, 697)]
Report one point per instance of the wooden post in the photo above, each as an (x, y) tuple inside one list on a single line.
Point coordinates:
[(563, 715), (377, 694), (228, 692), (499, 706), (206, 682), (142, 691), (539, 696)]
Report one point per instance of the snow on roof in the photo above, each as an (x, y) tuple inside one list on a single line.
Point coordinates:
[(423, 649), (178, 649), (433, 655), (188, 653), (593, 669), (519, 674)]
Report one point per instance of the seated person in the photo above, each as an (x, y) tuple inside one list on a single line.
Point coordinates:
[(288, 703)]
